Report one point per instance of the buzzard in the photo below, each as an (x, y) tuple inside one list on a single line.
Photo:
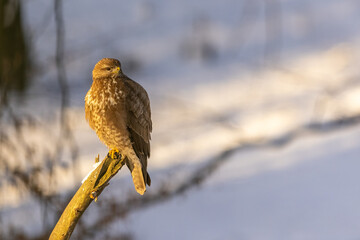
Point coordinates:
[(118, 109)]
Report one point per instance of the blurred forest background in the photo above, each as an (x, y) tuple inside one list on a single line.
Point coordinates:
[(255, 106)]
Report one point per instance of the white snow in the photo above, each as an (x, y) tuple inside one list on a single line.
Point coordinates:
[(300, 192), (94, 167)]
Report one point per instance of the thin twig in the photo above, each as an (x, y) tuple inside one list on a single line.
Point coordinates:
[(65, 130)]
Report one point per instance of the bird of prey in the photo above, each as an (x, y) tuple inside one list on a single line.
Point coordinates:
[(118, 109)]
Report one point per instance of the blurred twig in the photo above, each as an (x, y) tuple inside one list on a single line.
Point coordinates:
[(65, 130), (273, 30), (167, 191)]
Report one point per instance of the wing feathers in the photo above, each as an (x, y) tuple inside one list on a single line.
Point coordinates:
[(139, 122)]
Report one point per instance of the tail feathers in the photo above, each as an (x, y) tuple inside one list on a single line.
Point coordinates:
[(148, 179), (138, 179)]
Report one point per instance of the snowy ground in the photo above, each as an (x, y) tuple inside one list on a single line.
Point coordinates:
[(305, 190)]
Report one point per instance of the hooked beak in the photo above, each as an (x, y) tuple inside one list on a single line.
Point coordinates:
[(116, 70)]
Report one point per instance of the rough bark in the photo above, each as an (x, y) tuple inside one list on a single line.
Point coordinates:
[(88, 191)]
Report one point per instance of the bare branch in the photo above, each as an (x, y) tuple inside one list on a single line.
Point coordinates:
[(89, 190)]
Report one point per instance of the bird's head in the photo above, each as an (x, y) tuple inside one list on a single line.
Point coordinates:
[(107, 68)]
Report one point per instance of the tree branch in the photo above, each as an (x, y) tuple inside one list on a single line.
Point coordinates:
[(88, 191)]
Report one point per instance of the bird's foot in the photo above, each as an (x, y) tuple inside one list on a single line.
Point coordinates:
[(114, 153)]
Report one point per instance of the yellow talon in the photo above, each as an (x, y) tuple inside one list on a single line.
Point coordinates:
[(114, 153)]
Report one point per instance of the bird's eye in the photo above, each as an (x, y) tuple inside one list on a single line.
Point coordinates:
[(107, 69)]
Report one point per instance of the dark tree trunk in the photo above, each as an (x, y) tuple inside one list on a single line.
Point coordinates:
[(13, 48)]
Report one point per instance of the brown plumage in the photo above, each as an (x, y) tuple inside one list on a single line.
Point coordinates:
[(118, 109)]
